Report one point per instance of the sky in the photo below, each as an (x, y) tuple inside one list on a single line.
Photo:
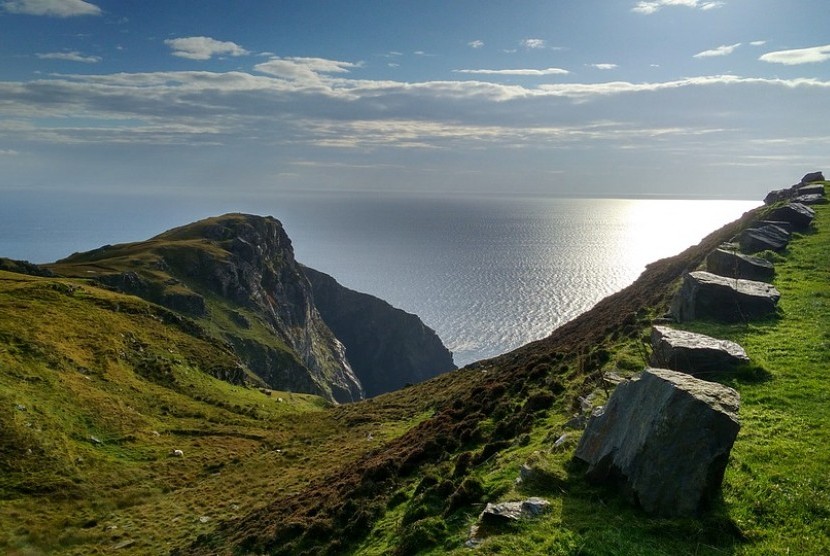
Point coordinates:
[(254, 99)]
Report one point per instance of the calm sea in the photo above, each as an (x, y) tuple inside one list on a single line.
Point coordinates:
[(488, 274)]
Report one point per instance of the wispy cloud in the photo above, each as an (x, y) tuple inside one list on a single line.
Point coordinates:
[(52, 8), (73, 56), (797, 56), (475, 44), (529, 72), (203, 48), (603, 66), (8, 152), (758, 43), (308, 69), (723, 50), (534, 44), (651, 6)]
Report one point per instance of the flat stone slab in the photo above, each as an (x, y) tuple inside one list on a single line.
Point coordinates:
[(696, 354), (763, 238), (812, 199), (812, 189), (738, 265), (665, 438), (704, 295), (800, 216)]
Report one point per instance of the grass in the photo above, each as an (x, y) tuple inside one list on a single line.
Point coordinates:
[(774, 498), (403, 473), (96, 390)]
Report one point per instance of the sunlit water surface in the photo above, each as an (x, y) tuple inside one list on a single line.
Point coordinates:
[(487, 274)]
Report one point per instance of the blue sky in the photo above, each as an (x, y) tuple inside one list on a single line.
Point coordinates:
[(248, 99)]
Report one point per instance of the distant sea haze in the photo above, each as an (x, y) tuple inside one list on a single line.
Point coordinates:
[(488, 274)]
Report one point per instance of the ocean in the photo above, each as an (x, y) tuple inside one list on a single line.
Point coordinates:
[(489, 274)]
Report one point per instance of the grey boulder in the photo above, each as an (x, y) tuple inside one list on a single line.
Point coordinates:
[(704, 295), (764, 237), (514, 511), (737, 265), (800, 216), (696, 354), (666, 437), (811, 199), (812, 176)]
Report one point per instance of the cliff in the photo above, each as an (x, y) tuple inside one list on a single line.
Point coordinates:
[(236, 276), (388, 348)]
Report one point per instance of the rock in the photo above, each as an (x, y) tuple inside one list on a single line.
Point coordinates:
[(737, 265), (20, 407), (124, 544), (176, 453), (812, 189), (95, 440), (666, 436), (513, 511), (813, 199), (388, 348), (696, 354), (777, 195), (704, 295), (800, 216), (577, 422), (812, 176), (763, 238)]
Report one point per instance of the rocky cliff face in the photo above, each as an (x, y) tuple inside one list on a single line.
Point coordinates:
[(387, 347), (236, 273)]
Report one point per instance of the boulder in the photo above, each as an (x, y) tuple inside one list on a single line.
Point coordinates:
[(704, 295), (811, 199), (764, 237), (777, 195), (812, 189), (812, 176), (696, 354), (800, 216), (513, 511), (737, 265), (666, 437)]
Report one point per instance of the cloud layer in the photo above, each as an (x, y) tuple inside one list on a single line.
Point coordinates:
[(651, 6), (812, 55)]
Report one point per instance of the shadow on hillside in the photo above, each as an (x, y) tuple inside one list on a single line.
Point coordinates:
[(608, 523)]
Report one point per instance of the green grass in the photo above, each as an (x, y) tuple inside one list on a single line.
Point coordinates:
[(774, 499)]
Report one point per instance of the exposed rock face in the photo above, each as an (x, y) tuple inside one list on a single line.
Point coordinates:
[(800, 216), (812, 189), (810, 199), (812, 176), (765, 237), (666, 436), (259, 297), (257, 270), (737, 265), (514, 511), (387, 347), (704, 295), (696, 354)]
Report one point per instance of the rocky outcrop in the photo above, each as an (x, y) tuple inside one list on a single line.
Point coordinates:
[(237, 275), (704, 295), (696, 354), (764, 237), (812, 177), (666, 437), (798, 215), (388, 348), (807, 186), (732, 264)]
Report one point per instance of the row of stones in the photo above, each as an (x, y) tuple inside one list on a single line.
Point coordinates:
[(666, 434)]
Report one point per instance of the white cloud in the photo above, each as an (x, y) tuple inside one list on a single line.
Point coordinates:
[(534, 43), (307, 70), (73, 56), (529, 72), (203, 48), (758, 43), (651, 6), (603, 66), (797, 56), (723, 50), (475, 44), (8, 152), (53, 8)]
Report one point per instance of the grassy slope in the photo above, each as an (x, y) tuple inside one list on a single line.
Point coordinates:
[(78, 362), (438, 451), (775, 499)]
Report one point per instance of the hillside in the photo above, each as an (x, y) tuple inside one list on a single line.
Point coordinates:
[(98, 389)]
